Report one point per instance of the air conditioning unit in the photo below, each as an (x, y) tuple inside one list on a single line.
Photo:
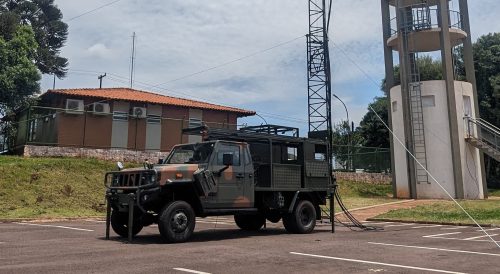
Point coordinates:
[(74, 106), (100, 108), (138, 112)]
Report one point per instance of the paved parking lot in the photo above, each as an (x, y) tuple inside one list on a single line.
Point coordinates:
[(219, 247)]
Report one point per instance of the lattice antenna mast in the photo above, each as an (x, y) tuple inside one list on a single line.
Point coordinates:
[(319, 78)]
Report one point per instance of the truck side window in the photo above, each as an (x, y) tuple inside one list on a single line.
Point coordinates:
[(231, 149)]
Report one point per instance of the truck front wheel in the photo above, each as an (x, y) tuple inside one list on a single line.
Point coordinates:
[(176, 222), (119, 223), (302, 220), (249, 222)]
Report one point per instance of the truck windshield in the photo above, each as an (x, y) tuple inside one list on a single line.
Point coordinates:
[(191, 154)]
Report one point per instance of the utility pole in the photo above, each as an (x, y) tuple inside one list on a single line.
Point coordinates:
[(54, 83), (132, 61), (100, 79)]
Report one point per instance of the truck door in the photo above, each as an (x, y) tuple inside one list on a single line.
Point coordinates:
[(249, 185), (231, 182)]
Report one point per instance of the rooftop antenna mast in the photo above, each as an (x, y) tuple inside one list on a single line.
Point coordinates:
[(132, 59), (319, 82)]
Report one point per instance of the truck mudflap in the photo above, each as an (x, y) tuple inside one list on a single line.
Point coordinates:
[(204, 182)]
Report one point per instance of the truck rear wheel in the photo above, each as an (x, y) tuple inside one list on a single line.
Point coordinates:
[(119, 223), (302, 220), (250, 222), (176, 222)]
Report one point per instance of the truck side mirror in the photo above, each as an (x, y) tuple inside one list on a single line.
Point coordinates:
[(227, 159)]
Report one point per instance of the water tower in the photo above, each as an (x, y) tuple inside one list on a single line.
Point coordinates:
[(431, 117)]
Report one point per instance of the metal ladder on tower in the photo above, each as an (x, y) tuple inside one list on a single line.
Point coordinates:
[(417, 18)]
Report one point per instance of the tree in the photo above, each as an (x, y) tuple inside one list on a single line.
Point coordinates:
[(19, 77), (50, 31), (487, 65), (343, 139), (374, 132)]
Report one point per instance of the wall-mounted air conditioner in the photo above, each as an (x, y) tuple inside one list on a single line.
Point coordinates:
[(74, 106), (100, 108), (138, 112)]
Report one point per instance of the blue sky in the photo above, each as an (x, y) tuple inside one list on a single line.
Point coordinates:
[(180, 37)]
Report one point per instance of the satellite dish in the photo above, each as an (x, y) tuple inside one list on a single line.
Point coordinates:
[(119, 165)]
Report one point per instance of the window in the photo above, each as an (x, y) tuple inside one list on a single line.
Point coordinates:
[(428, 101), (120, 116), (291, 153), (153, 119), (394, 106), (195, 122), (229, 149)]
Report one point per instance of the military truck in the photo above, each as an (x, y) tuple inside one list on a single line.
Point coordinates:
[(255, 174)]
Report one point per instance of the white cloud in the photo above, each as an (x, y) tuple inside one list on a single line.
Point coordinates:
[(99, 50)]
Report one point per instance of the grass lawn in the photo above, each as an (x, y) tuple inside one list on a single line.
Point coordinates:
[(51, 187), (485, 212), (357, 194), (73, 187), (494, 192)]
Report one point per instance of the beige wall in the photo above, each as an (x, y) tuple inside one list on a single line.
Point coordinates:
[(438, 144)]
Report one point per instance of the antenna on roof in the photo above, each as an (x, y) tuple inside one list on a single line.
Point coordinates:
[(100, 79), (132, 58)]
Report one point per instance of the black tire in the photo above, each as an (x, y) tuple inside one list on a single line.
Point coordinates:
[(273, 216), (176, 222), (119, 223), (302, 220), (250, 222)]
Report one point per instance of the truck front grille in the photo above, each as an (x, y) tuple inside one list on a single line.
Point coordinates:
[(130, 179)]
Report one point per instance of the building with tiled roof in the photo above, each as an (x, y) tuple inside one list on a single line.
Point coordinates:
[(118, 118)]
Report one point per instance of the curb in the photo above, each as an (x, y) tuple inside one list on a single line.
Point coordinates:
[(48, 220), (427, 222)]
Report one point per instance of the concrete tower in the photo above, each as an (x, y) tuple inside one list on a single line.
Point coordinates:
[(431, 116)]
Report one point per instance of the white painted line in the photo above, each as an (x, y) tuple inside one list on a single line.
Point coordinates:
[(94, 221), (454, 227), (438, 249), (426, 226), (190, 270), (479, 237), (490, 229), (458, 239), (214, 223), (56, 226), (398, 225), (377, 263), (442, 234)]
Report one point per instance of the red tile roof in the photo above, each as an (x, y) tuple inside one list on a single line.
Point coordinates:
[(127, 94)]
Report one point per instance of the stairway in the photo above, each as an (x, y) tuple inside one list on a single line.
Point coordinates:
[(488, 139), (417, 18)]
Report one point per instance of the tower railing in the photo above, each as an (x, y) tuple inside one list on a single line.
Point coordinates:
[(427, 18), (488, 133)]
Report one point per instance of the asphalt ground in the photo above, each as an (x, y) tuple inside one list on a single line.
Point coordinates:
[(218, 246)]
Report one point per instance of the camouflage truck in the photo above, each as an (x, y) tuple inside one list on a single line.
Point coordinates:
[(246, 173)]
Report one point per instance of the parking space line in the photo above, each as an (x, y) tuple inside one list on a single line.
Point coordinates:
[(454, 227), (190, 270), (213, 223), (490, 229), (442, 234), (398, 225), (426, 226), (377, 223), (56, 226), (376, 263), (479, 237), (438, 249)]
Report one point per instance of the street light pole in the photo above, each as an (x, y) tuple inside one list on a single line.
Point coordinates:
[(349, 139)]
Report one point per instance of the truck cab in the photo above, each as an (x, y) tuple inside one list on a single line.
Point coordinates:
[(253, 176)]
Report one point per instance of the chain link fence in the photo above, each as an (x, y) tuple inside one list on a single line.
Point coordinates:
[(362, 159)]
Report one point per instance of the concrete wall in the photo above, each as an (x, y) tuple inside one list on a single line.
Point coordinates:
[(438, 144), (400, 160), (123, 155), (373, 178)]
